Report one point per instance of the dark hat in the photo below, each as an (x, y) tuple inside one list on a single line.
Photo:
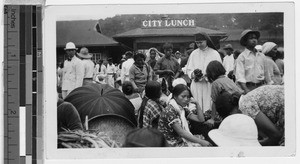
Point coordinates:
[(228, 46), (245, 34), (204, 36)]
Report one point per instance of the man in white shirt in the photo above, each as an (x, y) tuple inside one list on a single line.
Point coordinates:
[(88, 65), (73, 71), (228, 61), (126, 66), (250, 67), (111, 71)]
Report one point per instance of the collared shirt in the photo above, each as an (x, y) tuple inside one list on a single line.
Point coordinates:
[(111, 69), (228, 63), (152, 112), (250, 67), (140, 77), (73, 74), (102, 70), (223, 83), (167, 64), (125, 69), (88, 68)]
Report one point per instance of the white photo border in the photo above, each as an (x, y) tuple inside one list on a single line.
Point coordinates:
[(52, 14)]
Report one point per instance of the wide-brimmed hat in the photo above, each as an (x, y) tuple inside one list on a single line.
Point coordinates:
[(244, 36), (204, 36), (228, 46), (84, 53), (70, 46), (236, 130)]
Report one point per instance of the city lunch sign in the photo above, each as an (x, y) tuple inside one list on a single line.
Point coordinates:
[(167, 23)]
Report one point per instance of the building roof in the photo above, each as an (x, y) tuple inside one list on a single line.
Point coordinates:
[(235, 35), (179, 31), (82, 33)]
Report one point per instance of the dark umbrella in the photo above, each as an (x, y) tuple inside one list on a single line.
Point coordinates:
[(101, 99)]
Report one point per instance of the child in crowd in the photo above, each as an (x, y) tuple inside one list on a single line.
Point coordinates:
[(216, 75), (134, 98), (150, 109), (173, 120)]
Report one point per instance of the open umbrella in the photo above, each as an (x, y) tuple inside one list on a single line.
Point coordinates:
[(101, 99)]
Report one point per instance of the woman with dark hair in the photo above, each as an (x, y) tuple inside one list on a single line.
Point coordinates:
[(264, 104), (145, 137), (134, 98), (196, 69), (151, 108), (215, 73), (140, 73), (173, 120)]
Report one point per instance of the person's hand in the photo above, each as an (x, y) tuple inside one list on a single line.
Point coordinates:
[(230, 75), (205, 143), (194, 101), (246, 91), (170, 72), (197, 74), (210, 123), (136, 90)]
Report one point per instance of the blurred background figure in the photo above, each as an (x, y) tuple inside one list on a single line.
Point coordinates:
[(134, 98), (258, 48), (111, 72), (228, 60), (88, 65)]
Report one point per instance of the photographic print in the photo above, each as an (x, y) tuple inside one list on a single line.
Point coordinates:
[(136, 81)]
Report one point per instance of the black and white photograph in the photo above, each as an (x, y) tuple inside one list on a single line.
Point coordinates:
[(169, 80)]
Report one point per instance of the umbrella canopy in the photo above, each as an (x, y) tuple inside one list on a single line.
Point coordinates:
[(101, 99)]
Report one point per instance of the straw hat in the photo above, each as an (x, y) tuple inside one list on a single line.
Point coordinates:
[(84, 53), (236, 130), (244, 34), (70, 46)]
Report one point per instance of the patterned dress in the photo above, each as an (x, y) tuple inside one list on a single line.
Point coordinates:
[(168, 117), (268, 99)]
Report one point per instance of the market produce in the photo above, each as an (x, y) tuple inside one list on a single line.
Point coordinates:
[(85, 139)]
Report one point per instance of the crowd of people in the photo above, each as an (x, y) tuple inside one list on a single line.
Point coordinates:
[(196, 98)]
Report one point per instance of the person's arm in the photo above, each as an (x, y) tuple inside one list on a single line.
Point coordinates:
[(269, 129), (79, 73), (157, 68), (159, 53), (199, 117), (184, 134), (132, 77), (240, 74)]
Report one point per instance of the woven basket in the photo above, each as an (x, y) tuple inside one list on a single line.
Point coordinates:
[(114, 126)]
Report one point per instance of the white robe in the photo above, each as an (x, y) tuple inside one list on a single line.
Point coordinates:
[(201, 90)]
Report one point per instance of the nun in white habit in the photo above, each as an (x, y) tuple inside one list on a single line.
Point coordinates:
[(198, 60)]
